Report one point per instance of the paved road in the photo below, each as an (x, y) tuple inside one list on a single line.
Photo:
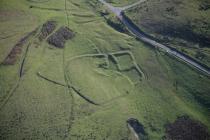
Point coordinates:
[(118, 12), (132, 5)]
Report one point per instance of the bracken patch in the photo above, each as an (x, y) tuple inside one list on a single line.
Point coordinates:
[(59, 38), (17, 49), (47, 29), (185, 128)]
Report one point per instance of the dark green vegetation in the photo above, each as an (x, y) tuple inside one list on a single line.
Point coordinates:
[(187, 129), (91, 86), (184, 25), (115, 23), (59, 38)]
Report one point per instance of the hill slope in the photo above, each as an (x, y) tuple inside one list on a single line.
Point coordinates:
[(184, 25)]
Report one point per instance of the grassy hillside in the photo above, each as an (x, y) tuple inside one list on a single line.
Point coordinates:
[(184, 25), (89, 88)]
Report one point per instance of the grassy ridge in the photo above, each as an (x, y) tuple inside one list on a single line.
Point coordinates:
[(39, 109)]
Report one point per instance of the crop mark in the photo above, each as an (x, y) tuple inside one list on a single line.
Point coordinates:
[(69, 86), (8, 36), (66, 11), (78, 92), (49, 80), (95, 47), (99, 55), (83, 15), (10, 94), (12, 56), (38, 1), (67, 81), (23, 40), (23, 61), (126, 52), (46, 8), (75, 4), (87, 21), (112, 56)]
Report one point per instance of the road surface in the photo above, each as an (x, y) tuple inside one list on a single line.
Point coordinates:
[(132, 5)]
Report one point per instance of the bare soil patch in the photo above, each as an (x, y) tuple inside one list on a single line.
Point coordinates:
[(59, 38), (185, 128)]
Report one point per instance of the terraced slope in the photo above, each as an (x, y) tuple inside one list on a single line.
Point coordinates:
[(89, 87)]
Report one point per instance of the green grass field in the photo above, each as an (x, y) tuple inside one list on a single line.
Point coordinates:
[(85, 72)]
